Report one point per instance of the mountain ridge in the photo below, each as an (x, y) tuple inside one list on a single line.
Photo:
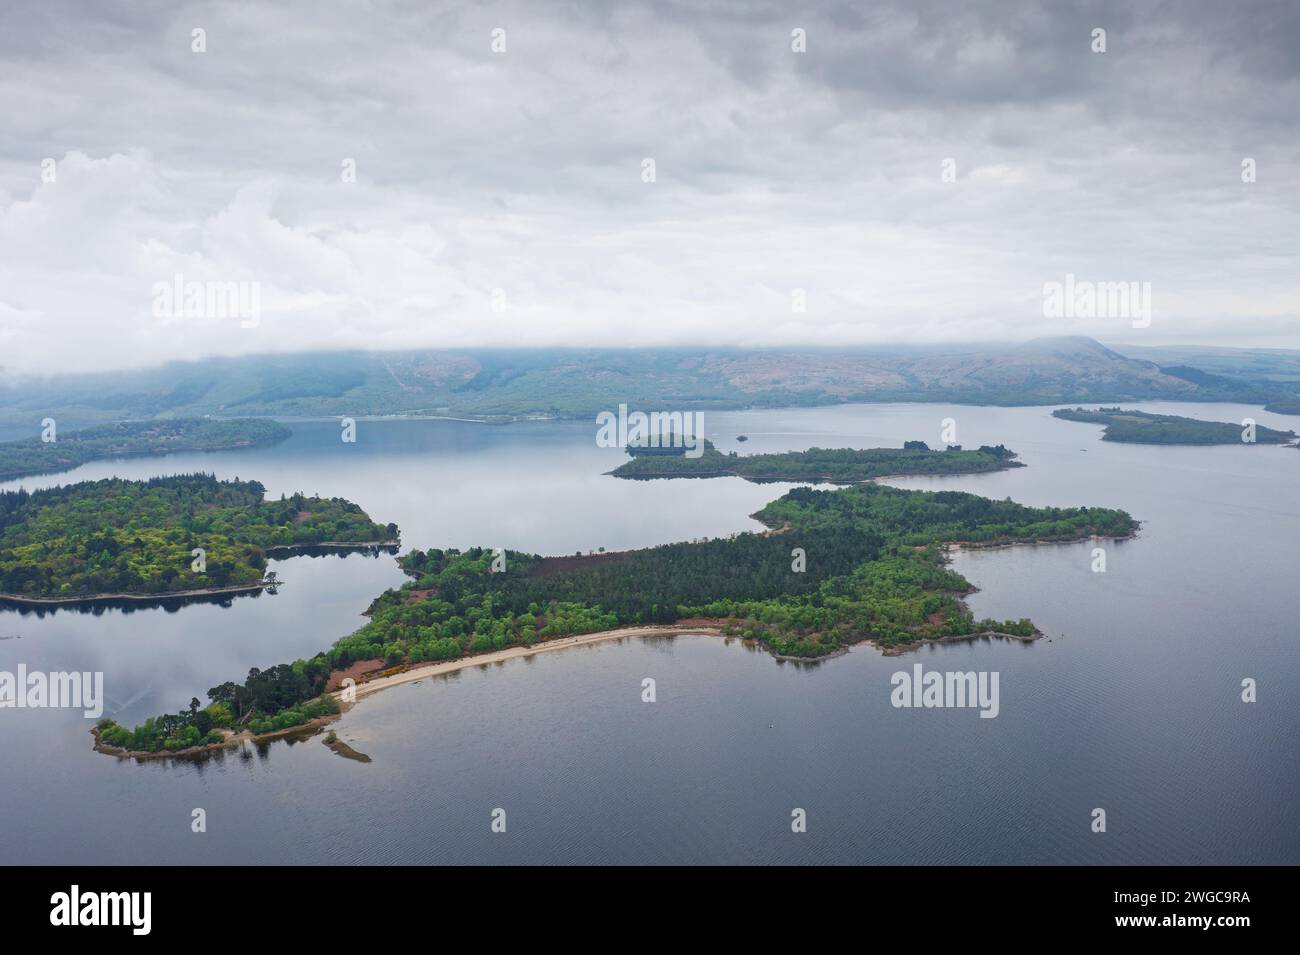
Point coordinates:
[(495, 384)]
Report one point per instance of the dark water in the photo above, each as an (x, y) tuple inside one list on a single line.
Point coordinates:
[(1133, 705)]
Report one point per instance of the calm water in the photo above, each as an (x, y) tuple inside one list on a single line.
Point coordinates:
[(1132, 705)]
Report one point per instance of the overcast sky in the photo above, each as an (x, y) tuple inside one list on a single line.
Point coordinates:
[(522, 171)]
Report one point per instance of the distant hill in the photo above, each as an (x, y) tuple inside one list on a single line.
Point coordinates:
[(494, 384), (1276, 365), (1272, 375)]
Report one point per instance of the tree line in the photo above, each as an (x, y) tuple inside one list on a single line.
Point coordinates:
[(1142, 427), (139, 537), (862, 562), (830, 465)]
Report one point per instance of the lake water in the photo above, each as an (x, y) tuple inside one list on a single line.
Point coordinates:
[(1132, 704)]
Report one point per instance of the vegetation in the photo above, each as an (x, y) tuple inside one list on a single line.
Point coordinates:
[(835, 466), (497, 383), (1271, 373), (139, 537), (863, 562), (35, 456), (1290, 405), (1141, 427), (202, 727), (669, 444)]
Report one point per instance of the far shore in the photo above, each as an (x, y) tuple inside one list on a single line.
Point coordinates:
[(63, 467)]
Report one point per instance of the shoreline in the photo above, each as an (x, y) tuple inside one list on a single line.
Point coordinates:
[(163, 596), (954, 547), (230, 742), (809, 478), (439, 667), (332, 545), (417, 672), (148, 453), (135, 598), (412, 675), (898, 649)]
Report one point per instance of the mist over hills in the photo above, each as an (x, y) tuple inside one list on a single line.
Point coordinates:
[(494, 384)]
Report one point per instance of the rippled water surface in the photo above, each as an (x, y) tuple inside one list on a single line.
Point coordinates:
[(1132, 704)]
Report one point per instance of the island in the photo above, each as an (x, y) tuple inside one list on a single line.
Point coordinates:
[(37, 456), (834, 568), (816, 465), (1141, 427), (189, 535)]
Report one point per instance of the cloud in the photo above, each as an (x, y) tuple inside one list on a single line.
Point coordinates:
[(521, 172)]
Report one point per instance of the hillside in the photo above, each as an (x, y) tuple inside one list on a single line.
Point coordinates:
[(503, 383)]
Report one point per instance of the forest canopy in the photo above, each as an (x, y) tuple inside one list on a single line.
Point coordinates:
[(818, 465), (863, 562), (139, 537)]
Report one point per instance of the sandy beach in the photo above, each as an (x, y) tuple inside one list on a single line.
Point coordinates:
[(497, 656), (419, 672), (350, 696)]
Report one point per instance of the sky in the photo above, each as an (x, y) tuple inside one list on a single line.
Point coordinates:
[(823, 174)]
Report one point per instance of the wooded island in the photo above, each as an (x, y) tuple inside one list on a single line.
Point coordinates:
[(1141, 427), (837, 567), (171, 535), (816, 465)]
